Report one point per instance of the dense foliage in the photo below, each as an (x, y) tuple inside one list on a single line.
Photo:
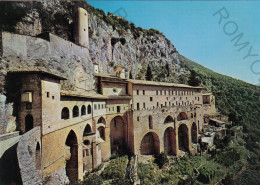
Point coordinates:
[(116, 168), (161, 159)]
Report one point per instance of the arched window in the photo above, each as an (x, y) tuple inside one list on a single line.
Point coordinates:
[(150, 119), (65, 113), (83, 110), (182, 116), (87, 130), (75, 111), (89, 109), (101, 120), (28, 122), (168, 119)]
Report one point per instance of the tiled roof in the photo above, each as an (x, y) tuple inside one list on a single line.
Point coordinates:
[(38, 72), (143, 82)]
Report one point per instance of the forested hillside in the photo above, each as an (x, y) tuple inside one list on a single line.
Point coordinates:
[(235, 98)]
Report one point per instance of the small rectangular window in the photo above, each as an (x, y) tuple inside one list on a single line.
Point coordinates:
[(48, 94), (137, 92), (157, 104), (156, 92), (95, 107), (118, 109), (144, 105), (53, 97), (98, 106), (151, 98), (137, 118), (143, 92), (137, 106)]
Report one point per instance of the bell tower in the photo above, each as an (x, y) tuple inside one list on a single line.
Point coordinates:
[(81, 27)]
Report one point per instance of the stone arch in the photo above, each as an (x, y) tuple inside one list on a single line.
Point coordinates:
[(182, 116), (118, 135), (102, 120), (89, 109), (72, 163), (87, 130), (194, 133), (168, 119), (38, 156), (28, 122), (101, 131), (150, 120), (65, 113), (169, 139), (183, 137), (150, 144), (83, 110), (75, 111)]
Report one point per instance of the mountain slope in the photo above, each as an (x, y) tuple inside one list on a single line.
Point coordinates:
[(235, 98)]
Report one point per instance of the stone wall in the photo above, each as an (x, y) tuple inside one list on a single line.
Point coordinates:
[(26, 153), (55, 55)]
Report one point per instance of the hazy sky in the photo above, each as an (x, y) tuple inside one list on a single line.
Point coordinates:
[(197, 34)]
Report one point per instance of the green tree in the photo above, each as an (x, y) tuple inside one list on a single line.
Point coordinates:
[(148, 75), (193, 79)]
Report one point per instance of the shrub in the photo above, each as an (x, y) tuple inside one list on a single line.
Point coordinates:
[(206, 175), (116, 168), (121, 181), (161, 159), (93, 180), (148, 173)]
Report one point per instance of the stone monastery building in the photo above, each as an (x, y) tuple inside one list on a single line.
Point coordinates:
[(75, 131)]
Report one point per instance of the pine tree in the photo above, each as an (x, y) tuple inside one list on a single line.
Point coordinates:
[(193, 79), (148, 75), (130, 75)]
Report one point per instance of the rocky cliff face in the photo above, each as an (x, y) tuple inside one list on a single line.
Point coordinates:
[(113, 41)]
